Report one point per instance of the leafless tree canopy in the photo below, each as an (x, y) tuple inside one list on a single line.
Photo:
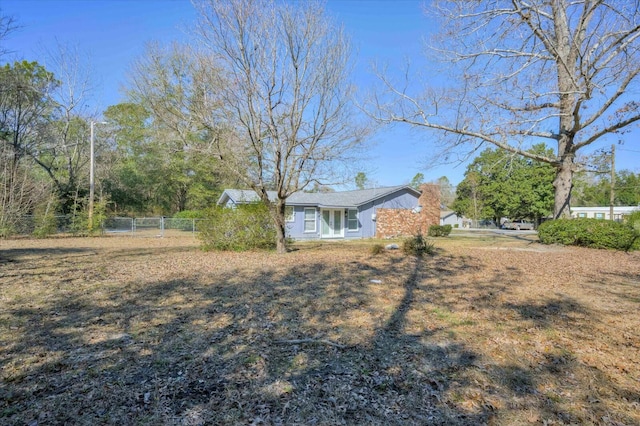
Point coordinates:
[(284, 87), (525, 71), (62, 149), (286, 71), (179, 87), (8, 24)]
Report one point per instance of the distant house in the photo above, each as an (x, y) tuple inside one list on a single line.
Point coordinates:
[(619, 212), (376, 212), (449, 217)]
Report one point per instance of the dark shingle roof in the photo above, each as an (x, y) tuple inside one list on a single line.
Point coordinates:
[(321, 199)]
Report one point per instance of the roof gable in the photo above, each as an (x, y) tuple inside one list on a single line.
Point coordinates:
[(447, 213), (242, 196)]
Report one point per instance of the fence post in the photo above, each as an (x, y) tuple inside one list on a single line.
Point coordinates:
[(161, 226)]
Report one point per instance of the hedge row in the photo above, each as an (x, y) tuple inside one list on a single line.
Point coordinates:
[(594, 233)]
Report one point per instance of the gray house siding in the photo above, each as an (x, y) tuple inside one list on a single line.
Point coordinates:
[(336, 207), (450, 218), (296, 229), (367, 221), (359, 233), (399, 200), (403, 199)]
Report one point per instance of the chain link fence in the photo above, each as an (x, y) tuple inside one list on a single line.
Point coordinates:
[(151, 226), (125, 226), (32, 225)]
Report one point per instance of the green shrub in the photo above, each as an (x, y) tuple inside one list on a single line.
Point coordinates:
[(45, 225), (594, 233), (439, 230), (6, 231), (418, 246), (245, 227), (79, 223), (80, 219), (633, 221), (45, 221)]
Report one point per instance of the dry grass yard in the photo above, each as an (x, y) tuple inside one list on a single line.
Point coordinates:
[(149, 331)]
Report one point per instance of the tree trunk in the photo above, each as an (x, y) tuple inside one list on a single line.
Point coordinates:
[(281, 245), (563, 183), (279, 220)]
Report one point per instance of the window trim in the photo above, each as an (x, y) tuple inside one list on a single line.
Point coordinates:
[(349, 220), (306, 220)]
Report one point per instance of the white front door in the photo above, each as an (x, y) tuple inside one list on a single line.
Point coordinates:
[(332, 224)]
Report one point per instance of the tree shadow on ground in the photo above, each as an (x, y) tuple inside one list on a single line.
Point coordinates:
[(624, 285), (314, 342), (17, 255)]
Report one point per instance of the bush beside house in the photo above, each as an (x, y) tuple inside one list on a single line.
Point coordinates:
[(245, 227)]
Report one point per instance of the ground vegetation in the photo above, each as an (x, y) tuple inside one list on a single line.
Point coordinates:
[(491, 330)]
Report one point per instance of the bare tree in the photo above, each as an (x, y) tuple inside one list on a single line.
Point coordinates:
[(8, 24), (62, 149), (284, 84), (176, 85), (20, 191), (528, 71)]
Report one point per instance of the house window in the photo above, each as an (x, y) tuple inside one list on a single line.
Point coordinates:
[(352, 220), (599, 216), (582, 215), (289, 214), (310, 220)]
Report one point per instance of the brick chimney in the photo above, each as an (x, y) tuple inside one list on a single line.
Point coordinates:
[(430, 202), (409, 221)]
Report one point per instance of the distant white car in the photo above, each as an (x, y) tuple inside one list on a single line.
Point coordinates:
[(518, 225)]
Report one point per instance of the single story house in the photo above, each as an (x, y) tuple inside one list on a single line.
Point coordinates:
[(344, 214), (619, 212)]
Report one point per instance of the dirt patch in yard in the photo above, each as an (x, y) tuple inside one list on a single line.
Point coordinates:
[(154, 331)]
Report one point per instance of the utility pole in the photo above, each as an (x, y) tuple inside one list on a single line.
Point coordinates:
[(612, 193)]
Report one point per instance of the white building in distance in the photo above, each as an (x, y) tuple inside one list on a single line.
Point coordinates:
[(619, 212)]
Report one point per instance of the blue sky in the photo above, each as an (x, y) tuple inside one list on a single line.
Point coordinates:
[(113, 33)]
